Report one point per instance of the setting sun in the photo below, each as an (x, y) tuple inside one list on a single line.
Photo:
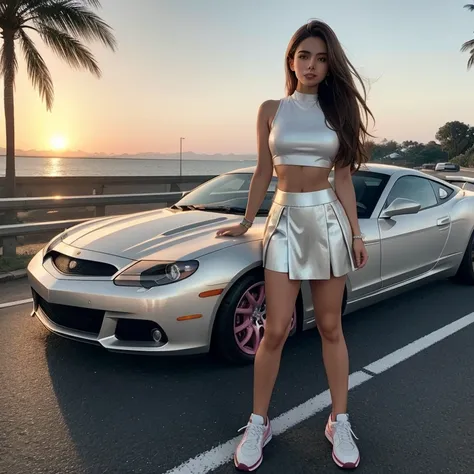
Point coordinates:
[(58, 142)]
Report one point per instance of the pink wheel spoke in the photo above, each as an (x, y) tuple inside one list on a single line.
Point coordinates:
[(247, 337), (244, 325), (261, 295), (244, 310), (251, 299)]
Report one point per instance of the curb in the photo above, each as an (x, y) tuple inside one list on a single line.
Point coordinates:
[(15, 275)]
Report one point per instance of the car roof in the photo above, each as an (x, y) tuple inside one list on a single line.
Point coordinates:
[(373, 167)]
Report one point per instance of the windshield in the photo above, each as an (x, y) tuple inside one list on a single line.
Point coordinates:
[(229, 193)]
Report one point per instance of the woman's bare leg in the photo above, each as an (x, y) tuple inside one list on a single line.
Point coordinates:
[(281, 294), (327, 301)]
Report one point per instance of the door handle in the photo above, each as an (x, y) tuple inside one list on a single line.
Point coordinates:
[(443, 221)]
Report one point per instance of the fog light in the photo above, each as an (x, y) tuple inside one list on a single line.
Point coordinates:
[(156, 335)]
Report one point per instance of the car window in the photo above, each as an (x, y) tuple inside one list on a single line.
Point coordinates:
[(415, 188), (368, 188), (231, 190), (226, 190), (442, 192)]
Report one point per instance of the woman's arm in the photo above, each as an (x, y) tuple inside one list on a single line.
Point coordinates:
[(346, 194), (345, 191), (264, 170)]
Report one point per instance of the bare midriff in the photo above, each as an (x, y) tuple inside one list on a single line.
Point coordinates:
[(302, 179)]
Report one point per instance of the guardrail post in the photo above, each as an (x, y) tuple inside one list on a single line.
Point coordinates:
[(9, 246), (99, 211)]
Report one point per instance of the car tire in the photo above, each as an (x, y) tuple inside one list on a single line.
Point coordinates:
[(248, 296), (465, 273)]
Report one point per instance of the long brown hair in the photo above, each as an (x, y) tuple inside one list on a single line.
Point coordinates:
[(338, 96)]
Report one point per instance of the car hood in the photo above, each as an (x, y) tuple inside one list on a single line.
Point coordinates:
[(162, 234)]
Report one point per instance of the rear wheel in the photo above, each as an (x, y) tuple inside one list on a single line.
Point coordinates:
[(241, 318), (465, 272)]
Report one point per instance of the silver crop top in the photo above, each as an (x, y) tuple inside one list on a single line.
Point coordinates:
[(299, 134)]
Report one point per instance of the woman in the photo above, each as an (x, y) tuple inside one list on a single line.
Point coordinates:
[(312, 231)]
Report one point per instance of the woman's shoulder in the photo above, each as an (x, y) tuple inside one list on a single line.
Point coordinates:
[(269, 107)]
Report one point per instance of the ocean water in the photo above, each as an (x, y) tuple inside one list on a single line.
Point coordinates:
[(28, 166)]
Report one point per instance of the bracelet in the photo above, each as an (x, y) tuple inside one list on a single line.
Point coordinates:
[(358, 237), (246, 223)]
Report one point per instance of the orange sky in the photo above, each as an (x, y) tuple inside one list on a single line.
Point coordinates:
[(201, 71)]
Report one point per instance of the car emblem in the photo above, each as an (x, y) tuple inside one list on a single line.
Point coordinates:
[(72, 264)]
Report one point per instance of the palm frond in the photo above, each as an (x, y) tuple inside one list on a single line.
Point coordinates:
[(74, 18), (69, 49), (468, 46), (470, 7), (30, 5), (37, 70)]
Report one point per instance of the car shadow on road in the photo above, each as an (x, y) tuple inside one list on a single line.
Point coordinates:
[(151, 413)]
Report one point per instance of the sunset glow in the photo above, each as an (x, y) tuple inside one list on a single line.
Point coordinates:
[(58, 142)]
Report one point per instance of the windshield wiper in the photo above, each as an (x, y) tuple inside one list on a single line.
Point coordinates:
[(182, 207), (230, 209)]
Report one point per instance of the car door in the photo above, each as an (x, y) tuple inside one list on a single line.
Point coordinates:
[(411, 244)]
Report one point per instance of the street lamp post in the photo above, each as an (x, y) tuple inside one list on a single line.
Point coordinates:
[(181, 155)]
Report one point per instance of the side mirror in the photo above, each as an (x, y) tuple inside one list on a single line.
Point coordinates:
[(400, 206)]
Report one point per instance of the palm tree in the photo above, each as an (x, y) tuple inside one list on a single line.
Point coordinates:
[(61, 24), (469, 45)]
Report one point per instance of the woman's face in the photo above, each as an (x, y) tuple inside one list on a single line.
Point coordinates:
[(310, 63)]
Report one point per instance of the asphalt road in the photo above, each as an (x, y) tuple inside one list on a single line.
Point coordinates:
[(68, 407)]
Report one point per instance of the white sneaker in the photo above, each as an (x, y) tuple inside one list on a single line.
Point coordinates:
[(249, 453), (344, 452)]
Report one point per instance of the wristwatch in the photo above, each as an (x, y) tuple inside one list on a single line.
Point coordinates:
[(358, 237), (246, 223)]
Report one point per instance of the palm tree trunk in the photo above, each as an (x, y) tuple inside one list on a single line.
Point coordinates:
[(9, 79), (9, 217)]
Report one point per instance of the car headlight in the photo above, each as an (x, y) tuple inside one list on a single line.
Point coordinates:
[(147, 274)]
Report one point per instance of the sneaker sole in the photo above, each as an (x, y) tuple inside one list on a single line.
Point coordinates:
[(347, 465), (243, 467)]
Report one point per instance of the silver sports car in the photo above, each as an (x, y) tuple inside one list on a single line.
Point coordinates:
[(160, 282)]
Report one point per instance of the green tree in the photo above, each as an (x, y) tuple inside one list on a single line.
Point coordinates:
[(455, 137), (63, 25), (468, 46)]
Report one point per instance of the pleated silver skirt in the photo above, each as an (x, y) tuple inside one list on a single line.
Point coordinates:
[(308, 236)]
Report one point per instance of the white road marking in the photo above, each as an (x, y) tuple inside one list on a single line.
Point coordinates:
[(15, 303), (424, 342), (223, 453)]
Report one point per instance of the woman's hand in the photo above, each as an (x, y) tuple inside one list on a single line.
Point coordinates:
[(360, 253), (233, 231)]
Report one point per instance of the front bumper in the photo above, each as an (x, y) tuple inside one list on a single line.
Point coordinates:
[(118, 318)]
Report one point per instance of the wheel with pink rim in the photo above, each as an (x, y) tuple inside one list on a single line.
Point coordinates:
[(250, 317), (241, 320)]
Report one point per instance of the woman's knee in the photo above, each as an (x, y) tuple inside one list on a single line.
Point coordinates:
[(276, 335), (330, 328)]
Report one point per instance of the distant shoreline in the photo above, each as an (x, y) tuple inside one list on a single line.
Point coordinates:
[(187, 157)]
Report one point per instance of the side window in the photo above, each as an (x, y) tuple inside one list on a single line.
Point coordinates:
[(414, 188), (442, 192)]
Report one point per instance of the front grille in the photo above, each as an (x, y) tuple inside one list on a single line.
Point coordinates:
[(77, 266), (73, 317)]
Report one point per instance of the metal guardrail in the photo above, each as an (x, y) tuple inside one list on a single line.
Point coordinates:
[(8, 233), (29, 204)]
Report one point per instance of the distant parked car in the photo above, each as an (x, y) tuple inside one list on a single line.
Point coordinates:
[(447, 167), (159, 282)]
